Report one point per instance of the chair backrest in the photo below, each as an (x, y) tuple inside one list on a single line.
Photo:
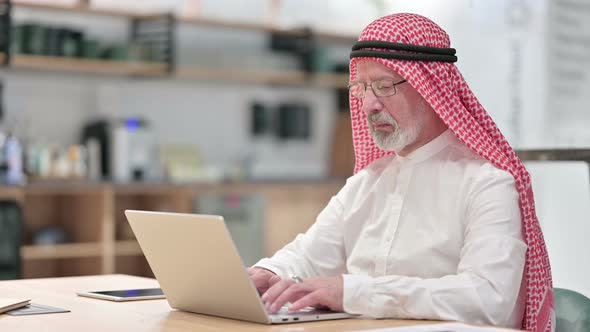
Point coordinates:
[(11, 234), (572, 311)]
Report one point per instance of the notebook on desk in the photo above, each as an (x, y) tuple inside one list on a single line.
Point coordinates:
[(199, 269), (7, 304)]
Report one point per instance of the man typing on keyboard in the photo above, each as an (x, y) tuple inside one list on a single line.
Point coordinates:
[(438, 221)]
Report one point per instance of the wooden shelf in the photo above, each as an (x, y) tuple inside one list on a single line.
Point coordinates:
[(127, 248), (94, 221), (203, 73), (331, 80), (101, 67), (64, 188), (70, 250), (16, 193), (74, 65), (217, 23)]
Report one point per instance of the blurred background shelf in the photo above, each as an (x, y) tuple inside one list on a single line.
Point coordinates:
[(70, 250), (225, 24), (147, 69), (12, 193), (86, 66), (331, 80), (91, 235)]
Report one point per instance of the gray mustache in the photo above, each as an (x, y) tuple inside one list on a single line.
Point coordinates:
[(381, 117)]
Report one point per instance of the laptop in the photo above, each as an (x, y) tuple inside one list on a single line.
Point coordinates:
[(199, 269)]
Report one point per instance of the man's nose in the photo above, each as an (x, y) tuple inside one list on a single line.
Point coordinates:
[(371, 104)]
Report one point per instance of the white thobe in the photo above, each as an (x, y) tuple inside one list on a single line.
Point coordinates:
[(433, 235)]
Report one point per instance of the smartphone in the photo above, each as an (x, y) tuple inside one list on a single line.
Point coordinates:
[(126, 294)]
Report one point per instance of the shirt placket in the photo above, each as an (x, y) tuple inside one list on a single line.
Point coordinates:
[(395, 201)]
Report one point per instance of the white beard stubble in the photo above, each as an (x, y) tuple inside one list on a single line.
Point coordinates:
[(400, 137)]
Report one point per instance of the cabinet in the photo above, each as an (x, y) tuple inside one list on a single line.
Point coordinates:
[(101, 242)]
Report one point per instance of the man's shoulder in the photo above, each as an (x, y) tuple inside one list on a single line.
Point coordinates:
[(468, 163), (474, 165)]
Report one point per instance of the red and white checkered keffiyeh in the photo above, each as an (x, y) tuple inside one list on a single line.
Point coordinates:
[(443, 86)]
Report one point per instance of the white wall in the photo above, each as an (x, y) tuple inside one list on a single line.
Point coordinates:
[(568, 69), (486, 39), (562, 196)]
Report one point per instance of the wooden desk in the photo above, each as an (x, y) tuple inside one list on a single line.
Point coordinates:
[(90, 315)]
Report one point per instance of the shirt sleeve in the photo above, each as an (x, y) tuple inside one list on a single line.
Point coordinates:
[(318, 252), (486, 286)]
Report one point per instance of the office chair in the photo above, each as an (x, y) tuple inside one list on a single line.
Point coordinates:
[(572, 311)]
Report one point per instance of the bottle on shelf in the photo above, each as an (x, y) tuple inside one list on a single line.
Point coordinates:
[(13, 156)]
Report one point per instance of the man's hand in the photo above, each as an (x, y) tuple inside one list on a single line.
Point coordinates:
[(263, 278), (312, 292)]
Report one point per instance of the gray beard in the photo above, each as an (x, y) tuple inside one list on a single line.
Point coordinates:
[(396, 140)]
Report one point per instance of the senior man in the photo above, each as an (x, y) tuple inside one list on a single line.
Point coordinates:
[(438, 221)]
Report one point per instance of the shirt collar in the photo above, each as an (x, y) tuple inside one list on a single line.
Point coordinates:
[(429, 149)]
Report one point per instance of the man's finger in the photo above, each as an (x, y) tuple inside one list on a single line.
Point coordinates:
[(291, 294), (312, 299), (261, 284), (273, 280), (273, 292)]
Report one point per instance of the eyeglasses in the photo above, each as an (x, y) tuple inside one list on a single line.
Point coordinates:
[(382, 88)]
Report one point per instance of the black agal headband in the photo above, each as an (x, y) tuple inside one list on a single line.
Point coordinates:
[(365, 48)]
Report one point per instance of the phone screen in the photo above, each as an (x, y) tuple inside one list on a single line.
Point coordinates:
[(133, 292)]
